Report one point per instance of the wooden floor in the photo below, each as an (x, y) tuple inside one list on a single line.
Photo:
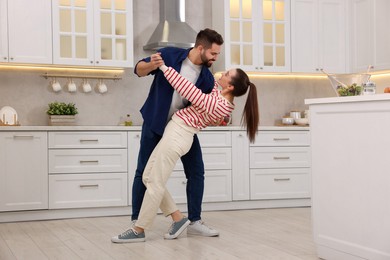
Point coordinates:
[(244, 234)]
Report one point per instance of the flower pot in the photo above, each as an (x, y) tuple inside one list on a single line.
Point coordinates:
[(62, 120)]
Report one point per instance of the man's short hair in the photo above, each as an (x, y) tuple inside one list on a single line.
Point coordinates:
[(207, 37)]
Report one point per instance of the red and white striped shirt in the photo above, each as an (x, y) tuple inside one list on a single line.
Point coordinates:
[(205, 109)]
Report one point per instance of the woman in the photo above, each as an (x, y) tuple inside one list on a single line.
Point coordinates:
[(205, 109)]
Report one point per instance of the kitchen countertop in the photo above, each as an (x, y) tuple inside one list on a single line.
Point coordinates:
[(138, 128)]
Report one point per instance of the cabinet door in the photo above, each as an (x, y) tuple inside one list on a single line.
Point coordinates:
[(134, 139), (332, 35), (73, 32), (29, 31), (274, 55), (304, 35), (24, 173), (318, 36), (113, 33), (240, 165), (3, 31), (382, 39)]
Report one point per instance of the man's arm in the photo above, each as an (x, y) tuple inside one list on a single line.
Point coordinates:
[(144, 68)]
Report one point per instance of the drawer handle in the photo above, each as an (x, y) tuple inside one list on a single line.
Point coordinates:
[(83, 186), (282, 139), (23, 136), (89, 140), (281, 157), (91, 161), (281, 179)]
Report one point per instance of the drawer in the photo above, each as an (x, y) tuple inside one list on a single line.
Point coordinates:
[(87, 190), (279, 157), (280, 183), (218, 186), (87, 160), (65, 140), (282, 138), (215, 138), (213, 159)]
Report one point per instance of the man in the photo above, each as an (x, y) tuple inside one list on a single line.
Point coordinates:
[(160, 105)]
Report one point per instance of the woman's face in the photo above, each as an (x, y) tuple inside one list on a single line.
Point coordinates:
[(226, 78)]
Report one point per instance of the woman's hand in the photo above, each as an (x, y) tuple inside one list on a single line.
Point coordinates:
[(156, 60)]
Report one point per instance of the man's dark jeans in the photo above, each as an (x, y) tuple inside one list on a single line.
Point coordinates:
[(193, 168)]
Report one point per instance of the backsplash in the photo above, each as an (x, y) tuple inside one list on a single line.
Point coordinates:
[(29, 93)]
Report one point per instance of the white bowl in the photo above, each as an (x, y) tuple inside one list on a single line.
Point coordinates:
[(287, 120), (302, 121)]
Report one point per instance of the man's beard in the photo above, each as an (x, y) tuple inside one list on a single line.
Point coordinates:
[(206, 62)]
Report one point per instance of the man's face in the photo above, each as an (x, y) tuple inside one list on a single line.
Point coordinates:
[(208, 56)]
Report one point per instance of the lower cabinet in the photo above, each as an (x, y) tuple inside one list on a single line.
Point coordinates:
[(216, 152), (87, 169), (280, 165), (23, 172)]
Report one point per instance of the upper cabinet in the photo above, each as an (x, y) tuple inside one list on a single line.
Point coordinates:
[(370, 39), (319, 36), (97, 33), (25, 31), (256, 34)]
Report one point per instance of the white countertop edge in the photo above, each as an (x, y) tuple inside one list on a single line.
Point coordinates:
[(138, 128), (348, 99)]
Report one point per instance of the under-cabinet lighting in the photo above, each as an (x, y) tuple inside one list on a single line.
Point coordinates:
[(80, 70)]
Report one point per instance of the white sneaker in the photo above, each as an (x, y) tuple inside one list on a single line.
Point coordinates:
[(199, 228)]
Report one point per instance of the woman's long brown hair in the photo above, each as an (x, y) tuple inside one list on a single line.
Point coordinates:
[(250, 115)]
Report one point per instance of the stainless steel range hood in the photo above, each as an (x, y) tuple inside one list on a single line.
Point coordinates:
[(172, 29)]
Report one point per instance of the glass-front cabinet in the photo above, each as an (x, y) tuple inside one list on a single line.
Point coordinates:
[(256, 33), (94, 33)]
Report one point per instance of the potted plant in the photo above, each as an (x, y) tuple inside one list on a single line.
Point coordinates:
[(61, 113)]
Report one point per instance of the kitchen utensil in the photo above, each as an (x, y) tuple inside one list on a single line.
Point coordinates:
[(56, 86), (72, 86), (302, 121), (102, 88), (295, 114), (86, 86), (8, 116), (288, 120)]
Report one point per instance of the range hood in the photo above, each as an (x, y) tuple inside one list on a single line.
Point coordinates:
[(172, 30)]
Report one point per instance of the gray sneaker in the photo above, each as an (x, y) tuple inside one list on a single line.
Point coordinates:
[(199, 228), (129, 236), (177, 228)]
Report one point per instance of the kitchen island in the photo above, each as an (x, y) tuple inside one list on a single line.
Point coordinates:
[(350, 141)]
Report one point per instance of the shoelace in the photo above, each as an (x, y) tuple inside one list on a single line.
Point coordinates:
[(128, 232)]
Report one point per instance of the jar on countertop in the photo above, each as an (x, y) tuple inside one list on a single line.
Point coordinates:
[(369, 88)]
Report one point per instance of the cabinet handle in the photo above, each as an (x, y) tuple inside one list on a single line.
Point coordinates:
[(83, 186), (91, 161), (282, 139), (89, 140), (5, 58), (12, 58), (23, 136), (184, 182), (281, 179), (281, 157)]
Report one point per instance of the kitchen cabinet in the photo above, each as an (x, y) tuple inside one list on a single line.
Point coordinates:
[(369, 41), (350, 205), (93, 33), (240, 166), (25, 31), (319, 36), (256, 33), (280, 165), (87, 169), (216, 152), (23, 174)]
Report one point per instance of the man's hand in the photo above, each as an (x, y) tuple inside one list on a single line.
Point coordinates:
[(144, 68), (156, 61)]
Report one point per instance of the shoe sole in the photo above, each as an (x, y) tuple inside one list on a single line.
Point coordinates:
[(201, 234), (181, 229), (121, 241)]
